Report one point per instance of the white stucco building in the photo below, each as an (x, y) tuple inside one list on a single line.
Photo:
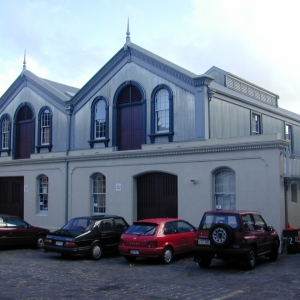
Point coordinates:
[(143, 138)]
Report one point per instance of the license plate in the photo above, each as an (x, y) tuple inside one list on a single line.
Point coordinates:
[(134, 252), (59, 243), (203, 242)]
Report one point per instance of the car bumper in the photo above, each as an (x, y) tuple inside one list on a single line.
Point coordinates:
[(232, 253), (65, 250), (143, 252)]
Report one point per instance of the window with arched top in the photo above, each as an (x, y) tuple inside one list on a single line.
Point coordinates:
[(5, 138), (44, 139), (162, 113), (99, 193), (224, 189), (43, 193), (99, 122)]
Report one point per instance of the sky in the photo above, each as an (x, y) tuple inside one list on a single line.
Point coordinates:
[(68, 41)]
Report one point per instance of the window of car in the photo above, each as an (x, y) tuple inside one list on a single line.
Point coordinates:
[(78, 224), (183, 226), (107, 225), (259, 223), (210, 219), (248, 222), (142, 229), (170, 228), (15, 222), (120, 223)]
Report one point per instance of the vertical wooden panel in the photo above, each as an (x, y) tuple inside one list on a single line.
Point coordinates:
[(157, 196)]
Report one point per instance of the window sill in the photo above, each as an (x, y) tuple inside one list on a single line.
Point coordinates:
[(5, 150), (38, 148), (155, 135), (92, 142)]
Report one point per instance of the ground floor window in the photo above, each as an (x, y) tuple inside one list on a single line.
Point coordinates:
[(43, 193), (224, 189), (99, 193)]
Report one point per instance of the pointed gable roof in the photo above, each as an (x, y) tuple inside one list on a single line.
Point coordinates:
[(55, 93)]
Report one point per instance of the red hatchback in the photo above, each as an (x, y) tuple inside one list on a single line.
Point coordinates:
[(160, 237)]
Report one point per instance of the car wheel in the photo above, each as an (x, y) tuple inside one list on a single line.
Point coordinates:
[(167, 255), (39, 241), (96, 251), (130, 258), (220, 235), (274, 254), (251, 261), (205, 262)]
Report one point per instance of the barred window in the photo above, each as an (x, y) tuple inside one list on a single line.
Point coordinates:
[(225, 194), (99, 193), (43, 193)]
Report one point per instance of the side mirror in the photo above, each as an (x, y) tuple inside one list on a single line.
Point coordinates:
[(270, 228)]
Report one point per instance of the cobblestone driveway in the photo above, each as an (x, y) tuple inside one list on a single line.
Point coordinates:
[(34, 274)]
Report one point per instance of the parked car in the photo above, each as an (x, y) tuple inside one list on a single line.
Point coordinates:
[(240, 235), (15, 231), (160, 237), (91, 235)]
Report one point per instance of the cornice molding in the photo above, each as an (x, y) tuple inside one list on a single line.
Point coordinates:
[(280, 144)]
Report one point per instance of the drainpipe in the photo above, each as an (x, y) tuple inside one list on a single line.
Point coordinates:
[(69, 109), (210, 94)]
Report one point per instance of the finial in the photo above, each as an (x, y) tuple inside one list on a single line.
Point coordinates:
[(24, 62), (128, 33)]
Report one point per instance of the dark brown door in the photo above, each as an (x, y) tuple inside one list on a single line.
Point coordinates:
[(24, 133), (157, 196), (130, 125), (12, 196)]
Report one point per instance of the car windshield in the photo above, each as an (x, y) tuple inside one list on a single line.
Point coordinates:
[(78, 224), (210, 219), (142, 229)]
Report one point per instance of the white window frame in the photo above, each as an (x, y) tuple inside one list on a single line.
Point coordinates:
[(99, 193), (162, 111), (45, 127), (43, 193), (5, 133), (100, 120), (255, 123)]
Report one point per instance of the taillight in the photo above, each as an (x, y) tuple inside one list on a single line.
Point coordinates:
[(152, 244), (48, 241), (70, 244)]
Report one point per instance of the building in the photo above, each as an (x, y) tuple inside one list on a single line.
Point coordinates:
[(145, 137)]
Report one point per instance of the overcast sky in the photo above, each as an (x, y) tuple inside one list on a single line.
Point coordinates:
[(68, 41)]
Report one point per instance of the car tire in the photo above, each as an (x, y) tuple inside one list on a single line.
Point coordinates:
[(251, 260), (221, 235), (167, 255), (130, 258), (204, 263), (274, 254), (96, 251), (39, 241)]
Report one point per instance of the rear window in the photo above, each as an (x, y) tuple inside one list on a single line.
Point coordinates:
[(79, 224), (210, 219), (142, 229)]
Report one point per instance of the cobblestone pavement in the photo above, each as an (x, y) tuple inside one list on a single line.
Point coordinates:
[(34, 274)]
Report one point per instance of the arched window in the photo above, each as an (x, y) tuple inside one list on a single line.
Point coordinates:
[(45, 129), (5, 123), (99, 193), (224, 193), (161, 113), (99, 121), (43, 192)]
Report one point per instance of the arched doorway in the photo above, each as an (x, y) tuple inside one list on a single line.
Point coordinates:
[(157, 196), (24, 138), (129, 117)]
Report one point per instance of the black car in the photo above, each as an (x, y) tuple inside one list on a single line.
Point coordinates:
[(91, 235), (15, 231)]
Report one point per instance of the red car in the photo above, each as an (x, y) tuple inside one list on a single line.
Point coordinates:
[(15, 231), (160, 237)]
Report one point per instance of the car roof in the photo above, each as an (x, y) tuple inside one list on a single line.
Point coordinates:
[(97, 217), (158, 220), (224, 211)]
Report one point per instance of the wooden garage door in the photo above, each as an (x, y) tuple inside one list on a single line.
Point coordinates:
[(12, 196), (157, 196)]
